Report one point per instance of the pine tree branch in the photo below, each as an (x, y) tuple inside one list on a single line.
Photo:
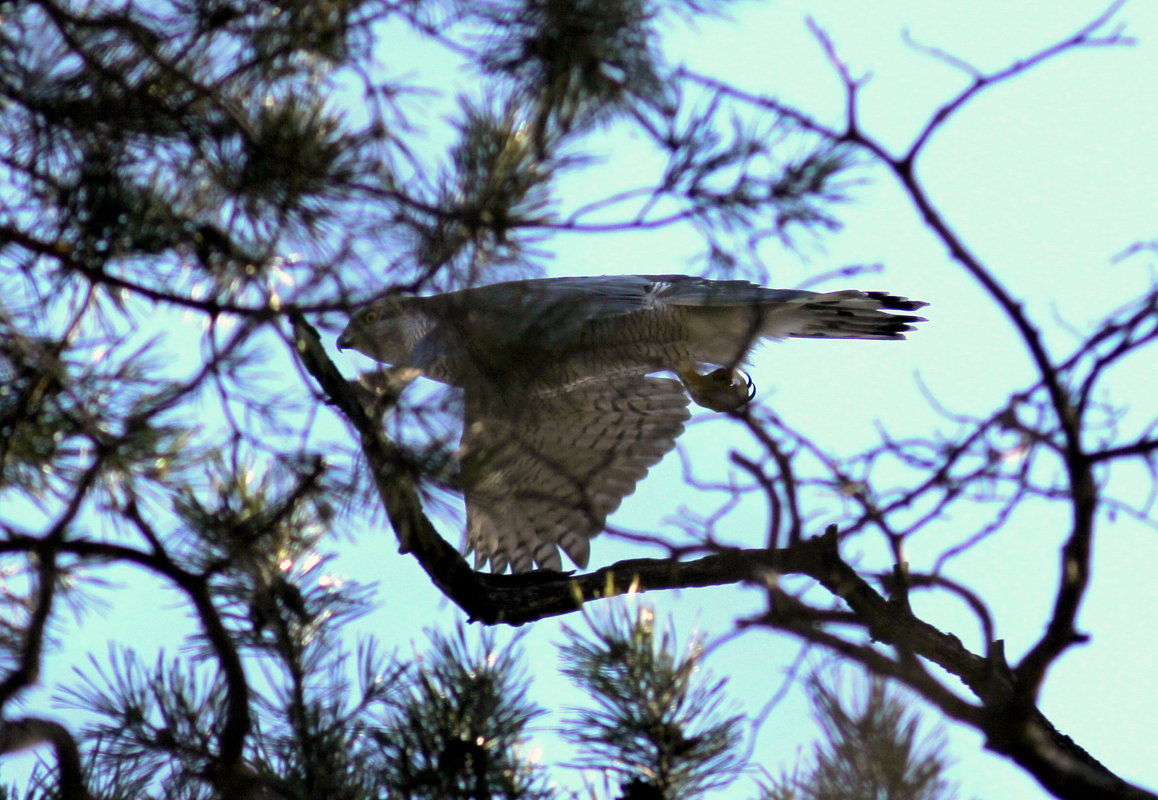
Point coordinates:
[(47, 550), (28, 732)]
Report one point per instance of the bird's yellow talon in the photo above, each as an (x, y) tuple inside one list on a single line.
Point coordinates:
[(721, 389)]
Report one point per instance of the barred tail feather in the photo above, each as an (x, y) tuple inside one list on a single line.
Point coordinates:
[(848, 314)]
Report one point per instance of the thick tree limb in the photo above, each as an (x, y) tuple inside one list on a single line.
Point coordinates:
[(1012, 726)]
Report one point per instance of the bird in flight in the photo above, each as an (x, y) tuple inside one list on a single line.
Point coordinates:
[(564, 409)]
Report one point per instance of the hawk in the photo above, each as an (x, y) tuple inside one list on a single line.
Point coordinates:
[(564, 409)]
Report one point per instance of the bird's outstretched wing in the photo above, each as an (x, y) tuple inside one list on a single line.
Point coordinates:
[(543, 474)]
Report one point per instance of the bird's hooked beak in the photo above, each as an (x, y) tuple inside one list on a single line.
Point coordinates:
[(345, 340)]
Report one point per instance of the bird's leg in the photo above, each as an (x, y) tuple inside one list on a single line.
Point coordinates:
[(721, 389), (380, 390)]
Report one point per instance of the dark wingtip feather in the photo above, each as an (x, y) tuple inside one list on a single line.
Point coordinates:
[(893, 302), (855, 314)]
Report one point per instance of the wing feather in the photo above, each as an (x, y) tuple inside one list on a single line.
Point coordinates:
[(543, 475)]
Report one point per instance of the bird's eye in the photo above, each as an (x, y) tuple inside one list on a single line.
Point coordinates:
[(369, 316)]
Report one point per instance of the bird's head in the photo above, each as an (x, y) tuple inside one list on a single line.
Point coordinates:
[(384, 330)]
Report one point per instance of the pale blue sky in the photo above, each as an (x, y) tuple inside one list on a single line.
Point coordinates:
[(1046, 178)]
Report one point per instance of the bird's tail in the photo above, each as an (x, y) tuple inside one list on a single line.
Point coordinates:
[(848, 314)]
